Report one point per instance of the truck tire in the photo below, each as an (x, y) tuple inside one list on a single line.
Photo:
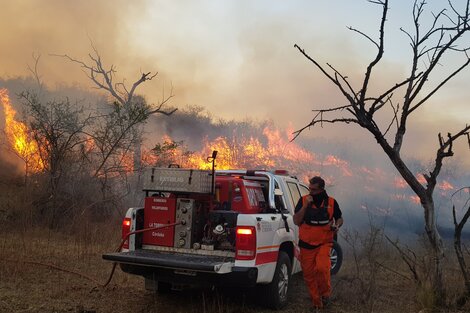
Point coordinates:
[(336, 257), (275, 294)]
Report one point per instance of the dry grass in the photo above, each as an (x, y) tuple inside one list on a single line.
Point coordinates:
[(27, 287)]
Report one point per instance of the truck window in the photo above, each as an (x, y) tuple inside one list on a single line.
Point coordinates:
[(279, 200), (294, 193), (304, 190)]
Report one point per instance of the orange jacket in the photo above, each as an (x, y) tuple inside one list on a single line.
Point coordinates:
[(319, 231)]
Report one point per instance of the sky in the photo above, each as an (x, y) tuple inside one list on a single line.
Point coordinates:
[(236, 58)]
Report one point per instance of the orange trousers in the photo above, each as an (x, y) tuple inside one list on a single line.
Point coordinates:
[(316, 265)]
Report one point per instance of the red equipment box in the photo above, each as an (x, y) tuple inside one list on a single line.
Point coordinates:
[(159, 211), (240, 195)]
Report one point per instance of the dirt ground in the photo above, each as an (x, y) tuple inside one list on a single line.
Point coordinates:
[(45, 271)]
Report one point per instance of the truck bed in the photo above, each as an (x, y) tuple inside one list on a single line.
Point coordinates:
[(182, 268), (153, 258)]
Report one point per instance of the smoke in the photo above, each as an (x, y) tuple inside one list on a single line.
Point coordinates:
[(236, 59), (61, 27), (367, 186)]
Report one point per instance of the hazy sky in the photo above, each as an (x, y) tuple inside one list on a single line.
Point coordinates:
[(236, 58)]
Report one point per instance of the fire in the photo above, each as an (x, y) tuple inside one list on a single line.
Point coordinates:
[(342, 164), (126, 161), (445, 186), (421, 179), (399, 196), (280, 146), (270, 150), (233, 154), (19, 137), (400, 183), (415, 199)]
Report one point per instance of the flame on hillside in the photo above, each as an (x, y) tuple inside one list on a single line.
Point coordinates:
[(19, 137), (233, 153), (271, 150), (445, 186)]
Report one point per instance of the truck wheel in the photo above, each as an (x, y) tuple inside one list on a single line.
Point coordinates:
[(336, 257), (275, 293)]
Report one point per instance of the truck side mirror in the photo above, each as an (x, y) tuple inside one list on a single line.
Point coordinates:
[(278, 192)]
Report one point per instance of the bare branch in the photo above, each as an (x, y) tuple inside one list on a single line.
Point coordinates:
[(410, 261), (333, 79), (34, 71), (392, 270), (366, 36), (143, 78), (378, 56), (345, 79), (321, 121), (445, 150), (394, 119), (379, 100), (435, 61), (430, 94)]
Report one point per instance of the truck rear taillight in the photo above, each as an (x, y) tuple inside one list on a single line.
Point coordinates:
[(126, 228), (245, 243)]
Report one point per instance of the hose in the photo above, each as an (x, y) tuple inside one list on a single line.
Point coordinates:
[(124, 240), (86, 276)]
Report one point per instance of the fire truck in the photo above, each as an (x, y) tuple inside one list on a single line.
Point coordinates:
[(224, 227)]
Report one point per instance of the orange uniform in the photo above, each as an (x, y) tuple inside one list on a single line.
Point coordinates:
[(316, 240)]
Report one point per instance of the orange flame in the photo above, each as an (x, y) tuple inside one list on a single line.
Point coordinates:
[(421, 179), (19, 137), (415, 199), (445, 186), (232, 154), (272, 150), (400, 183)]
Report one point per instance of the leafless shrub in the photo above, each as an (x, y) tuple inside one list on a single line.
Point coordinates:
[(368, 255), (419, 266)]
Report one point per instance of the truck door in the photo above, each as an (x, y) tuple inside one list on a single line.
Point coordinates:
[(293, 197)]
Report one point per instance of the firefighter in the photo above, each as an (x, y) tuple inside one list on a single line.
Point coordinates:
[(319, 218)]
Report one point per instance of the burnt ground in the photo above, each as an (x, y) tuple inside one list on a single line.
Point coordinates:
[(44, 271)]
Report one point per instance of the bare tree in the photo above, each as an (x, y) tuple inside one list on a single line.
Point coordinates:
[(429, 45), (129, 109)]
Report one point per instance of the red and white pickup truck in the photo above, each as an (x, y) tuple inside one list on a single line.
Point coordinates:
[(228, 227)]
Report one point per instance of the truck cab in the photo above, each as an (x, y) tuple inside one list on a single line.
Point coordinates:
[(230, 228)]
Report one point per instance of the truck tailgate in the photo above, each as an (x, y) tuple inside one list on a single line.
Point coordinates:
[(203, 263)]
